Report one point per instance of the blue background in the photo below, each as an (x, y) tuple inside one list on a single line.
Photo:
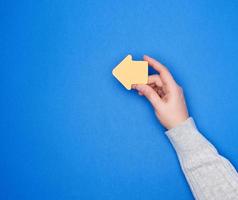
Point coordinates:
[(69, 130)]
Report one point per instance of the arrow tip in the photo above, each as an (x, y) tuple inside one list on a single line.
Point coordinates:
[(128, 58)]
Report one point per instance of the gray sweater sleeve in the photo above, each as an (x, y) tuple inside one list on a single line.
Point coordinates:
[(209, 175)]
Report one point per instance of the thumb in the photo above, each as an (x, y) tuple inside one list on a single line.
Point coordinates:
[(150, 94)]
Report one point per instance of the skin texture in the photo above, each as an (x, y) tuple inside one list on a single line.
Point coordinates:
[(165, 95)]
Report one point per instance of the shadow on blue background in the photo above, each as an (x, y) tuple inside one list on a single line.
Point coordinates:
[(69, 130)]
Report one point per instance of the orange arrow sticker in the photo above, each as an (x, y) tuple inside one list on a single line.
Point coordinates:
[(130, 72)]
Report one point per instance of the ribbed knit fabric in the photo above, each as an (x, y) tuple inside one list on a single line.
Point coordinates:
[(209, 175)]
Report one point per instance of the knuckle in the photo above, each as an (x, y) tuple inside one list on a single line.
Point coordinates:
[(145, 90), (166, 69), (150, 95), (178, 89)]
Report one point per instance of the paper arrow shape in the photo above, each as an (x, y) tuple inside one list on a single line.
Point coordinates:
[(130, 72)]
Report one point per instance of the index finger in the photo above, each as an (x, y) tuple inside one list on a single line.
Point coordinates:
[(165, 75), (150, 94)]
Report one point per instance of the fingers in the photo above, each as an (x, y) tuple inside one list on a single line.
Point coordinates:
[(155, 79), (156, 83), (149, 93), (165, 75)]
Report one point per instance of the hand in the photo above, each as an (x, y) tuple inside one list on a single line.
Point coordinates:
[(165, 95)]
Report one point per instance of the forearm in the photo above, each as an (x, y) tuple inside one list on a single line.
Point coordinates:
[(209, 175)]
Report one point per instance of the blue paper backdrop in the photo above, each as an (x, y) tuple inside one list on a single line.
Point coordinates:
[(69, 130)]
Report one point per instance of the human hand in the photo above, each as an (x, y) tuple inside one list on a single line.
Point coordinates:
[(165, 95)]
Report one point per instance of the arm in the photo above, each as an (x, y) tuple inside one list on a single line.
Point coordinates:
[(209, 175)]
